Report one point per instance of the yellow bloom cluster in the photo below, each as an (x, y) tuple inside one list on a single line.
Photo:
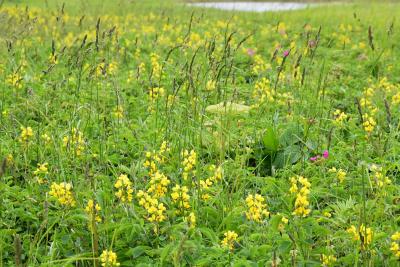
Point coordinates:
[(155, 65), (362, 232), (124, 188), (207, 183), (378, 177), (395, 245), (328, 260), (180, 197), (369, 123), (104, 69), (158, 184), (229, 240), (211, 85), (108, 259), (26, 134), (15, 80), (63, 193), (284, 221), (189, 163), (118, 112), (256, 208), (340, 174), (301, 203), (339, 117), (154, 208), (262, 91), (191, 220), (75, 141), (156, 157), (41, 172), (260, 66), (93, 210)]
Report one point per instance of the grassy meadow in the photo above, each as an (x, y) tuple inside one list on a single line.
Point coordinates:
[(150, 133)]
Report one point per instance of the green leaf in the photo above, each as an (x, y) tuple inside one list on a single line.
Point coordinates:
[(270, 140), (137, 251)]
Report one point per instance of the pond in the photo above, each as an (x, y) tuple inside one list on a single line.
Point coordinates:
[(253, 6)]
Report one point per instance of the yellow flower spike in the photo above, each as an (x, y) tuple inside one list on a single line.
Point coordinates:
[(256, 208), (301, 203), (229, 240), (124, 189), (108, 258), (63, 193)]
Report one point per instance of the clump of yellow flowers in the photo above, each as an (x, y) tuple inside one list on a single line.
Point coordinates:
[(15, 80), (191, 220), (328, 260), (155, 65), (207, 183), (340, 174), (189, 163), (26, 134), (369, 123), (378, 177), (158, 184), (211, 85), (155, 209), (340, 117), (363, 233), (75, 141), (92, 209), (181, 198), (156, 157), (395, 246), (41, 172), (301, 203), (257, 209), (63, 193), (229, 240), (124, 188), (118, 112), (108, 259)]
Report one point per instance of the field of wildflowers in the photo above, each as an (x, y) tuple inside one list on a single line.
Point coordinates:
[(149, 133)]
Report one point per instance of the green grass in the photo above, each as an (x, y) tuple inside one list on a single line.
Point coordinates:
[(100, 89)]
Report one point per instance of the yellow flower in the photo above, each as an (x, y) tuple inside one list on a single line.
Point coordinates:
[(189, 163), (256, 208), (26, 134), (119, 112), (340, 174), (211, 85), (46, 138), (180, 197), (93, 210), (158, 184), (340, 117), (108, 259), (40, 173), (155, 209), (369, 123), (328, 260), (362, 233), (229, 240), (15, 80), (191, 220), (124, 188), (63, 193), (75, 141), (395, 245), (301, 203)]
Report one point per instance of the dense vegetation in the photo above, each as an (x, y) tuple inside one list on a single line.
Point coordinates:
[(144, 133)]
